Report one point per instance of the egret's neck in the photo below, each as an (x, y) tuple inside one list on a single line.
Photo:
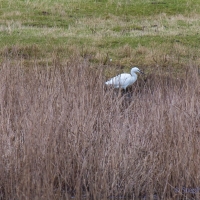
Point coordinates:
[(134, 74)]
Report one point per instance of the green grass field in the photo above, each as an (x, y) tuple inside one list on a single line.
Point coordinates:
[(143, 33)]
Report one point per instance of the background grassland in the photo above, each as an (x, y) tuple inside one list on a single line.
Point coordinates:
[(128, 32)]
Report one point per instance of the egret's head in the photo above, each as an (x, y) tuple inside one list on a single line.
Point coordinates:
[(135, 70)]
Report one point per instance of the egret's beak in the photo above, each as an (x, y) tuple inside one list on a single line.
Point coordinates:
[(142, 72)]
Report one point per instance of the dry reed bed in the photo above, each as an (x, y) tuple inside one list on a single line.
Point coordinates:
[(63, 135)]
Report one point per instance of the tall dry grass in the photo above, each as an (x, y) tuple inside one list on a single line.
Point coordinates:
[(64, 135)]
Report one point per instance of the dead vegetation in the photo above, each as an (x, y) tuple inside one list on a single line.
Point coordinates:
[(64, 136)]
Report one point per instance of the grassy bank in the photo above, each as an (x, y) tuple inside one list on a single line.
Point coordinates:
[(138, 33)]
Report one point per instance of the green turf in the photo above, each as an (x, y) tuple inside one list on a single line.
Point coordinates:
[(100, 28)]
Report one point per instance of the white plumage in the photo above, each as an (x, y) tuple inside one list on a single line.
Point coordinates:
[(124, 80)]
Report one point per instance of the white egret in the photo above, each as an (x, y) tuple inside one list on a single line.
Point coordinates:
[(124, 80)]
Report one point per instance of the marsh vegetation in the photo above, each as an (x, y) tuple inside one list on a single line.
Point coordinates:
[(64, 135)]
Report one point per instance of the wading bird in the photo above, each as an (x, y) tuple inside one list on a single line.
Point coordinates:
[(124, 80)]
